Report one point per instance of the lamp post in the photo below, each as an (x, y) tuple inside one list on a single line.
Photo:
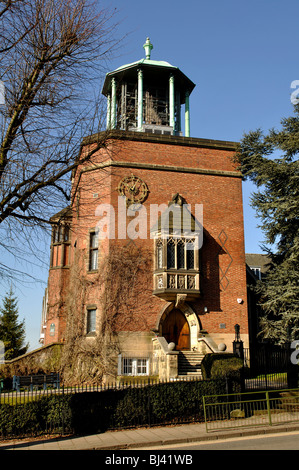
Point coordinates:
[(238, 344)]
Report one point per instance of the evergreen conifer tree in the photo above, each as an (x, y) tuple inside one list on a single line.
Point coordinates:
[(271, 162), (12, 332)]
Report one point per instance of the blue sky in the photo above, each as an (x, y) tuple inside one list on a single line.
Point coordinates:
[(242, 56)]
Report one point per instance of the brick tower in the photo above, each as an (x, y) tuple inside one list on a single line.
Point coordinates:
[(164, 212)]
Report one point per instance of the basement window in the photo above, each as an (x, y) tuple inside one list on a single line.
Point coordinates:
[(133, 365)]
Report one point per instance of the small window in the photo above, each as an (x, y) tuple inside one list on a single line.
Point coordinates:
[(170, 254), (180, 254), (58, 234), (93, 251), (91, 321), (52, 329), (160, 256), (133, 366), (141, 366), (60, 246), (127, 366), (257, 272), (66, 233), (190, 255)]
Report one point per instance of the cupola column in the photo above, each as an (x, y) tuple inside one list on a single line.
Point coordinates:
[(109, 111), (140, 100), (178, 112), (113, 103), (171, 103), (187, 115)]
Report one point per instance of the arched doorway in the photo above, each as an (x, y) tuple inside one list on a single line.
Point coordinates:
[(176, 330)]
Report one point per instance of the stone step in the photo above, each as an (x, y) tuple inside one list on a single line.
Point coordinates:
[(189, 363), (189, 377), (189, 371), (191, 354)]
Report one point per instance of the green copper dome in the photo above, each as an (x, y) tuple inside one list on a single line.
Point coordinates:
[(154, 67)]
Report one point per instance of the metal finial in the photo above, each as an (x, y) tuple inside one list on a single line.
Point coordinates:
[(148, 47)]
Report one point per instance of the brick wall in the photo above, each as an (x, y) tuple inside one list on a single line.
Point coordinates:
[(203, 173)]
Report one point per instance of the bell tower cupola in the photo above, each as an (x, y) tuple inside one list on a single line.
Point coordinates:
[(147, 96)]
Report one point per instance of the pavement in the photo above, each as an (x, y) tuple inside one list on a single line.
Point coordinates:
[(134, 439)]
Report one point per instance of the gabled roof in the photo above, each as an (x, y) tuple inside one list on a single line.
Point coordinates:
[(257, 260), (177, 220), (63, 214)]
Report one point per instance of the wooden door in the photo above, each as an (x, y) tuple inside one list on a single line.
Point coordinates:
[(176, 330)]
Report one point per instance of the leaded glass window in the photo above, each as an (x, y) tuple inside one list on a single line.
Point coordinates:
[(190, 254), (180, 254), (171, 248), (160, 255)]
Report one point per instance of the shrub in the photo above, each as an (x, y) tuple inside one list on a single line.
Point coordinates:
[(224, 365), (48, 413)]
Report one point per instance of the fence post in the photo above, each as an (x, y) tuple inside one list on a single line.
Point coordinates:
[(149, 405), (292, 369), (266, 365), (268, 408), (204, 412)]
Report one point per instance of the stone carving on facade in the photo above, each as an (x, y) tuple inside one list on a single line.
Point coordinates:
[(160, 282), (181, 282), (171, 281), (191, 282), (180, 300)]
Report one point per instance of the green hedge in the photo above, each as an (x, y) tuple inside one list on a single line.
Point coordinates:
[(46, 414), (152, 404), (224, 365), (93, 412)]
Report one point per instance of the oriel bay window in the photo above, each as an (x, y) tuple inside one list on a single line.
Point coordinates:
[(176, 267), (176, 234)]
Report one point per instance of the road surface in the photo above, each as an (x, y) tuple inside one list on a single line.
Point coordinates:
[(282, 441)]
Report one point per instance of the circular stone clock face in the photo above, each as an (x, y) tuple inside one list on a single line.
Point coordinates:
[(134, 189)]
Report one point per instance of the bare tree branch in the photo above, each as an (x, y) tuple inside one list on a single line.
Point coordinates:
[(53, 55)]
